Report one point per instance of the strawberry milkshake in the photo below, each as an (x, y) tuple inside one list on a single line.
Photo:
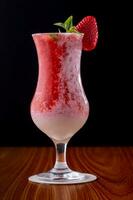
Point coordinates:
[(59, 107)]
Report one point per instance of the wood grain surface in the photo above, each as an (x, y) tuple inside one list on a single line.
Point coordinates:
[(112, 165)]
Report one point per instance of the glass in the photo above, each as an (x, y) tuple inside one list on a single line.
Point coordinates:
[(59, 107)]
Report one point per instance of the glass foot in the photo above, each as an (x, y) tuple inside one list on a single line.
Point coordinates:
[(71, 177)]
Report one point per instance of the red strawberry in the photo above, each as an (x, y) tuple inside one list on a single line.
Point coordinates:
[(88, 26)]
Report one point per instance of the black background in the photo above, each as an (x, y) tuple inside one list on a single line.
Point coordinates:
[(105, 71)]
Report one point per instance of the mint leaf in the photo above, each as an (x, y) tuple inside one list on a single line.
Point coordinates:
[(60, 24), (73, 30), (68, 23)]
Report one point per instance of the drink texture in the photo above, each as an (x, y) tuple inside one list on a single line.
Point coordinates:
[(59, 107)]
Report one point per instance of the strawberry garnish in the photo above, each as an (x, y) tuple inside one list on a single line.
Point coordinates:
[(88, 26)]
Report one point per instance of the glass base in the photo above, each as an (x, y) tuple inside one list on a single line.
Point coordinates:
[(71, 177)]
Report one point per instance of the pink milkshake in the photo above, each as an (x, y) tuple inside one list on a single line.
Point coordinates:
[(59, 107)]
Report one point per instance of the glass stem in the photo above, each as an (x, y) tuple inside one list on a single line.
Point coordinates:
[(60, 164)]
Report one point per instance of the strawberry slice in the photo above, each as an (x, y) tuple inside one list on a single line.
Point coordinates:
[(88, 26)]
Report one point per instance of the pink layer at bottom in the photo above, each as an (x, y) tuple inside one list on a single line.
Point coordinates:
[(58, 127)]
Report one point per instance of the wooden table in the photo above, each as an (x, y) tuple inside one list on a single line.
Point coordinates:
[(112, 165)]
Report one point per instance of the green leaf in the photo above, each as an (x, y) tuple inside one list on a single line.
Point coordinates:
[(73, 30), (60, 25), (68, 23)]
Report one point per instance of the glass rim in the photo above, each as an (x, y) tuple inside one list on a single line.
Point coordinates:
[(57, 33)]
